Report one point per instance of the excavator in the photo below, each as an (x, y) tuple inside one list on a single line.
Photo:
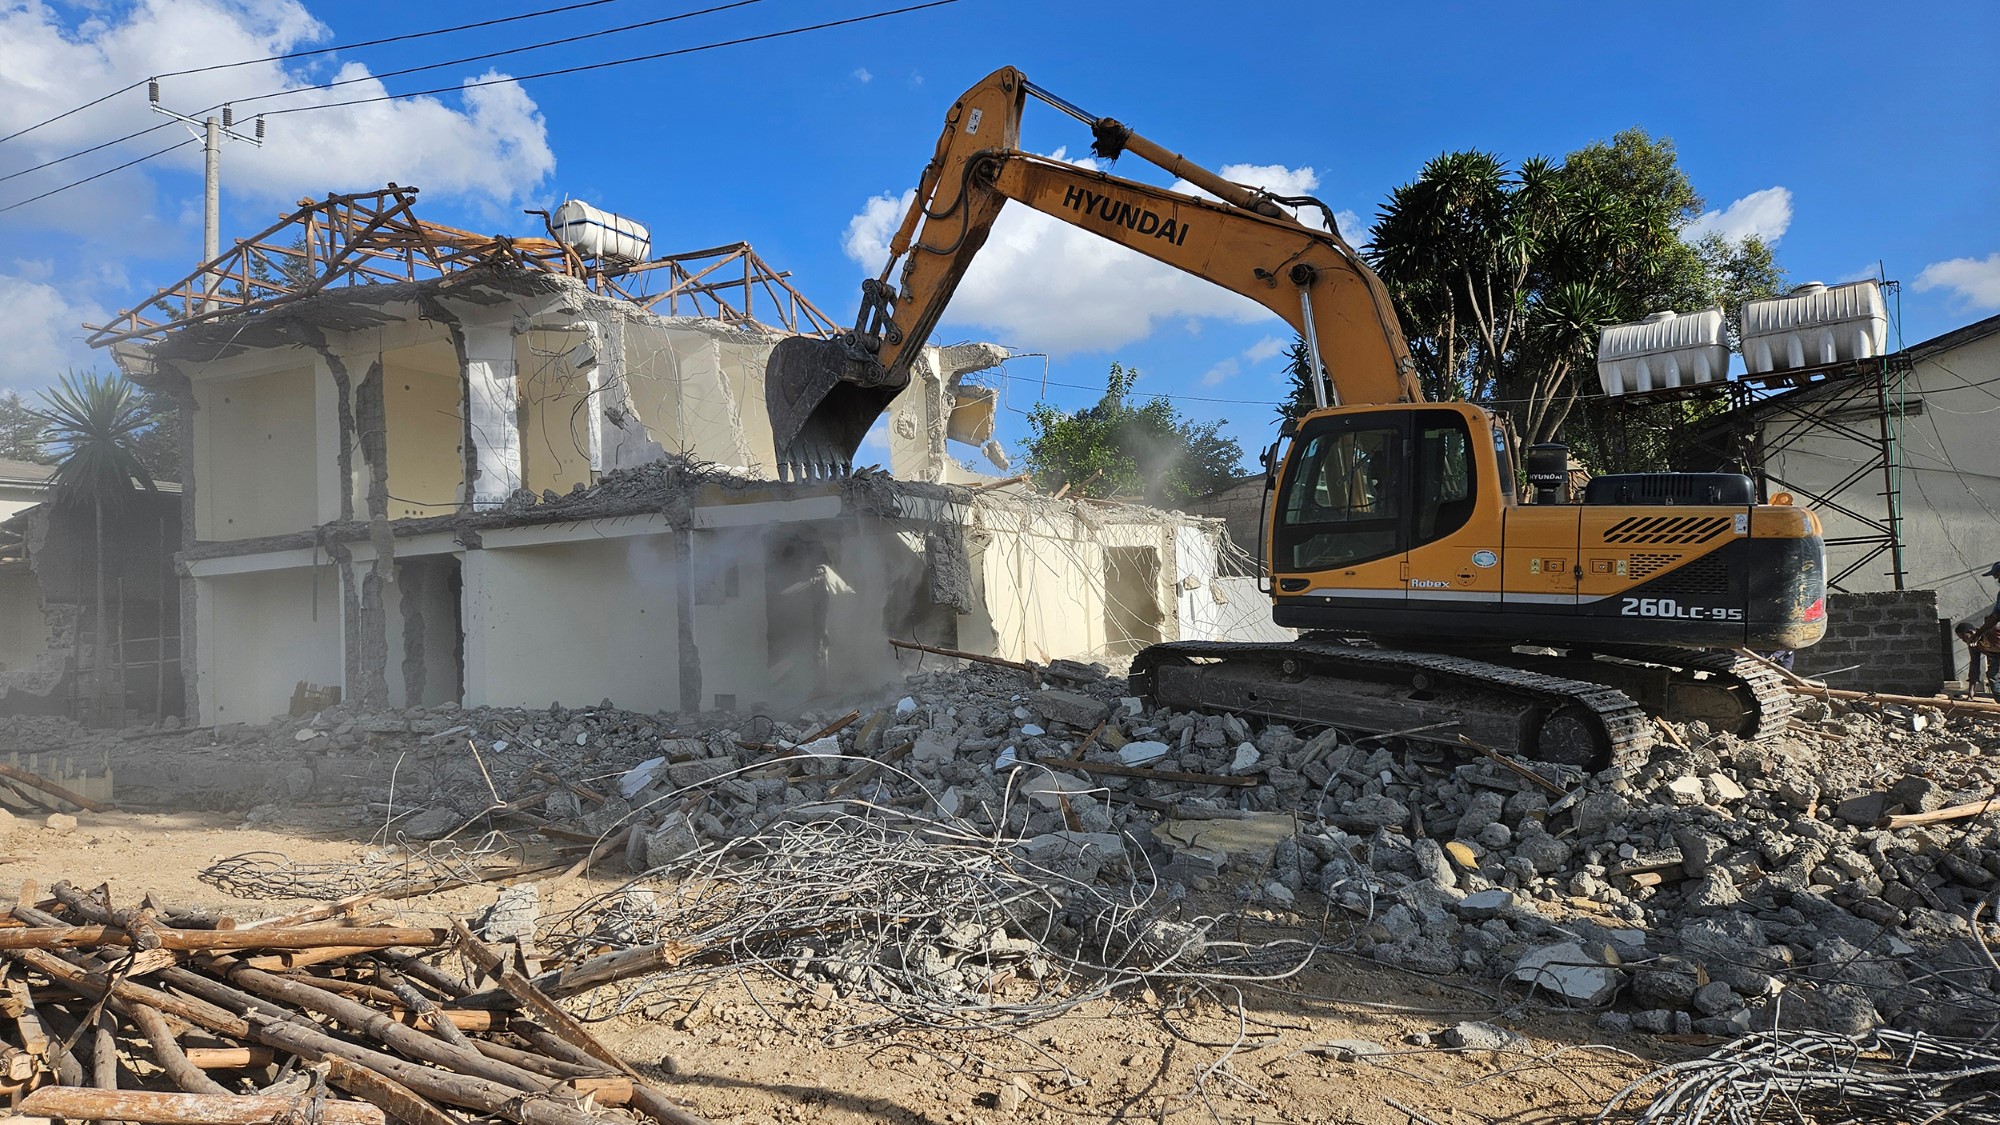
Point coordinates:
[(1432, 601)]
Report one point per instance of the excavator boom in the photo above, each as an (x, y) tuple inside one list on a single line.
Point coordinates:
[(824, 395)]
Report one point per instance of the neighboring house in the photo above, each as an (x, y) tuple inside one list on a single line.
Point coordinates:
[(1944, 416), (23, 484), (505, 486), (49, 641)]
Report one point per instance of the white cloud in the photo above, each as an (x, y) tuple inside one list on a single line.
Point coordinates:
[(1766, 214), (488, 144), (41, 336), (1353, 228), (1042, 283), (1220, 373), (1264, 349), (1975, 282), (861, 75)]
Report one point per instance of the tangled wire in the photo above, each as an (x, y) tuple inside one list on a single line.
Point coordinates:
[(275, 875), (921, 920), (1809, 1077)]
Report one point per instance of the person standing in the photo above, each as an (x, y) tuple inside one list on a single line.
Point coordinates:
[(1982, 646)]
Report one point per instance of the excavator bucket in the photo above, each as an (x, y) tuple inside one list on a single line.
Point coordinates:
[(822, 395)]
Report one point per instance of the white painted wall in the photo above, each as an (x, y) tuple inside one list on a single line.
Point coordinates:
[(1950, 482), (256, 638), (574, 622), (254, 453)]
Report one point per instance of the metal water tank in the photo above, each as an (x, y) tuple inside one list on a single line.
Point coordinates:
[(1814, 325), (1664, 350), (600, 234)]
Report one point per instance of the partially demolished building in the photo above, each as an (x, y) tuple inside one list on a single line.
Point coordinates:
[(428, 466)]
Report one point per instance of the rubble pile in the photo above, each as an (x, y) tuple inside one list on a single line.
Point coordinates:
[(1832, 878)]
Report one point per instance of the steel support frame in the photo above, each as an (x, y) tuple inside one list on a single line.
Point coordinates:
[(1849, 401)]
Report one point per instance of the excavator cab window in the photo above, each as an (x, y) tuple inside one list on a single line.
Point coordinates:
[(1368, 486), (1445, 481), (1343, 500)]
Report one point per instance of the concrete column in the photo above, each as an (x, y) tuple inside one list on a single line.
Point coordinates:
[(472, 616), (493, 411)]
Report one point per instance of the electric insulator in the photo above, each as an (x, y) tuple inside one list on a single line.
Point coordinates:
[(228, 117), (260, 127), (153, 90)]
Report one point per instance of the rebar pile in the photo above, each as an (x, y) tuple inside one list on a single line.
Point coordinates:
[(318, 1016), (1812, 1078), (923, 921), (274, 875)]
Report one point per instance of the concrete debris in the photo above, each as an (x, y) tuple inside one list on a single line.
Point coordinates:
[(513, 916), (1724, 886), (1568, 972), (1475, 1036)]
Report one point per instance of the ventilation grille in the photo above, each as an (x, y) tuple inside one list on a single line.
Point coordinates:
[(1704, 577), (1666, 529), (1647, 565)]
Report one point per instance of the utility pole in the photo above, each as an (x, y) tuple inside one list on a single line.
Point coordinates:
[(213, 131)]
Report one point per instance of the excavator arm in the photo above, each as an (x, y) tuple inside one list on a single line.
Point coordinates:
[(824, 394)]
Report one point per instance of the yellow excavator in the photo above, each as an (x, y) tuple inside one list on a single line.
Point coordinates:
[(1432, 601)]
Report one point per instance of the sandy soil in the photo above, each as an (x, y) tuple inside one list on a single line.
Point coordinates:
[(753, 1050)]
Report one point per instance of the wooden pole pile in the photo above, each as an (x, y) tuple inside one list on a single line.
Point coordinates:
[(110, 1014)]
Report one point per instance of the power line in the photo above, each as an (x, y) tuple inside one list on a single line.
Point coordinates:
[(85, 151), (769, 35), (308, 54), (848, 21), (378, 77), (501, 53), (99, 175)]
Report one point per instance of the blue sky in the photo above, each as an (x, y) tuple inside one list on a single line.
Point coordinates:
[(1852, 133)]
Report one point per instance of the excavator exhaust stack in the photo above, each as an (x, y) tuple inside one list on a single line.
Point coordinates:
[(822, 396)]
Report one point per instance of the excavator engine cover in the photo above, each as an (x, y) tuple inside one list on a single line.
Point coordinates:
[(822, 395)]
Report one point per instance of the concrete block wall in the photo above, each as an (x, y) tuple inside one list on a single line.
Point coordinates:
[(1891, 634)]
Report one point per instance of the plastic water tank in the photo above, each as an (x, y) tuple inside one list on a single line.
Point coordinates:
[(601, 234), (1664, 350), (1813, 326)]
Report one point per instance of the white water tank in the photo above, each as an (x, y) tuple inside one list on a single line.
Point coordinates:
[(1664, 350), (1813, 326), (601, 234)]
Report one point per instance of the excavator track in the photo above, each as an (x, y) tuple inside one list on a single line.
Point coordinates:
[(1434, 696), (1768, 702)]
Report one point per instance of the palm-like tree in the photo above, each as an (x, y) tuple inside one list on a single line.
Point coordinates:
[(95, 420)]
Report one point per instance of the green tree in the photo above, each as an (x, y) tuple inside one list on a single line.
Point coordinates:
[(94, 423), (20, 429), (1124, 447), (158, 442), (1504, 279)]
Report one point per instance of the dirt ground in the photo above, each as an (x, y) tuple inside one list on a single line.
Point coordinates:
[(755, 1050)]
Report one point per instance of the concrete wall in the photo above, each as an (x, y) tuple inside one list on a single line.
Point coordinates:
[(1238, 507), (556, 411), (253, 454), (1950, 482), (695, 388), (258, 637), (422, 401), (24, 632), (1893, 637), (574, 622)]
